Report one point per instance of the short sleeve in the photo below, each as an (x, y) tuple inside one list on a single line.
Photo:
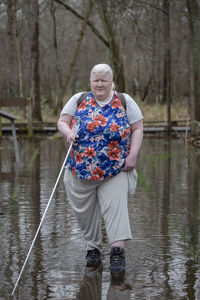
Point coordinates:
[(70, 107), (133, 111)]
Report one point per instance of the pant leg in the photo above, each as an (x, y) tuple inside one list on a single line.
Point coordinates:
[(82, 196), (113, 201)]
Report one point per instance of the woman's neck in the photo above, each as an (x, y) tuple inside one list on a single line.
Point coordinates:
[(102, 99)]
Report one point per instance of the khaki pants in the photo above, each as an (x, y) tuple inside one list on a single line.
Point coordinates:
[(89, 200)]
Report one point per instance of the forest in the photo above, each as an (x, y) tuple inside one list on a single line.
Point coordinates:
[(48, 48)]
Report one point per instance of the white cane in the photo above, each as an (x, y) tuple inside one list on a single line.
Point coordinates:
[(29, 252)]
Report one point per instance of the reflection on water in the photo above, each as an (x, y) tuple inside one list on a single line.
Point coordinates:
[(163, 259)]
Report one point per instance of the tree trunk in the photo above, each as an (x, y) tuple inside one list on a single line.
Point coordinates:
[(35, 77), (190, 62), (59, 102), (52, 11), (19, 45), (153, 92), (114, 47), (10, 44), (194, 22), (167, 63)]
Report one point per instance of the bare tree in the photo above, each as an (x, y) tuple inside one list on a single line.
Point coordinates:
[(105, 7), (151, 60), (55, 43), (19, 45), (167, 61), (194, 22), (10, 44), (35, 76), (89, 23), (113, 38), (69, 71)]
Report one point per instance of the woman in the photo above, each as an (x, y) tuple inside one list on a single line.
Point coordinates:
[(105, 148)]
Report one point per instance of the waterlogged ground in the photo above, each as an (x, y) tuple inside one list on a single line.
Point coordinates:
[(163, 259)]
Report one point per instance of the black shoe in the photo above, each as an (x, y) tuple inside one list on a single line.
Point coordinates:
[(117, 260), (93, 258)]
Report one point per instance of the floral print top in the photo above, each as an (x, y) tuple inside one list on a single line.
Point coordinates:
[(103, 140)]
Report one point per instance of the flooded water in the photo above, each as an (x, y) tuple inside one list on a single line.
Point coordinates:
[(163, 259)]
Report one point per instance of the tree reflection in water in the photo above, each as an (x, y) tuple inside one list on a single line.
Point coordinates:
[(163, 258)]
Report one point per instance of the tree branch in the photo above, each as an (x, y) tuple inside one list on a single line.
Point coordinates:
[(90, 24), (153, 6), (73, 59)]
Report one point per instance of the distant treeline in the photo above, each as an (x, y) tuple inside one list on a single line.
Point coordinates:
[(49, 46)]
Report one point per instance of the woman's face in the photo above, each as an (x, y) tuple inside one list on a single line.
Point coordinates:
[(101, 86)]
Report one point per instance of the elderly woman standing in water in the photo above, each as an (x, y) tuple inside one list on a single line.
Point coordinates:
[(105, 150)]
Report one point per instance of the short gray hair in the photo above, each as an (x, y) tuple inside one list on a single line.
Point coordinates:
[(102, 68)]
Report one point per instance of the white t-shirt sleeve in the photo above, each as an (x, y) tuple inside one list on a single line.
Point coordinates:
[(133, 111), (70, 107)]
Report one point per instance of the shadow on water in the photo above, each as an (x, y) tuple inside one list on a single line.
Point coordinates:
[(163, 258)]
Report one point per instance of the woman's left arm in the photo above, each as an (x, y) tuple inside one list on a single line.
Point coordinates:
[(136, 141)]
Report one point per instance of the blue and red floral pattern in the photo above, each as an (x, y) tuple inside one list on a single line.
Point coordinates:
[(103, 140)]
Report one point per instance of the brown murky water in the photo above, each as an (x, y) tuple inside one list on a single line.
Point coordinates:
[(163, 259)]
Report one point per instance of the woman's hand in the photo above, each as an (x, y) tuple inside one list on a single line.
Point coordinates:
[(130, 163), (70, 136), (64, 124), (136, 140)]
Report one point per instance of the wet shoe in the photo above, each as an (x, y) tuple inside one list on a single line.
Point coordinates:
[(93, 258), (117, 260)]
